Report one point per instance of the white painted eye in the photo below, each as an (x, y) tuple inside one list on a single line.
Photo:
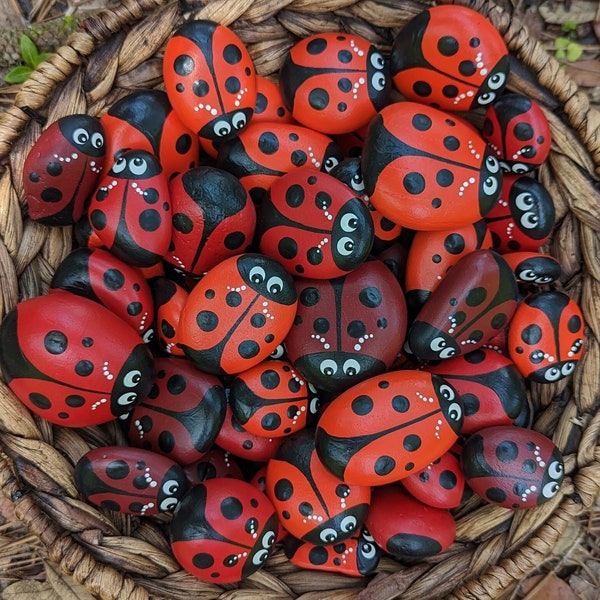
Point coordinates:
[(168, 504), (238, 120), (330, 163), (527, 275), (440, 345), (97, 140), (257, 275), (358, 183), (349, 222), (132, 378), (486, 98), (170, 487), (268, 539), (345, 246), (555, 469), (377, 60), (148, 336), (552, 374), (138, 165), (348, 523), (127, 399), (368, 550), (550, 489), (496, 81), (367, 536), (274, 285), (524, 201), (328, 535), (378, 81), (529, 220), (492, 164), (328, 367), (455, 411), (221, 128), (314, 405), (120, 165), (260, 557), (446, 392), (80, 136), (351, 367), (543, 279), (490, 186), (568, 368), (519, 168)]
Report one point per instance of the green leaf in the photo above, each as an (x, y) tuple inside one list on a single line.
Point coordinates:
[(569, 26), (561, 42), (42, 57), (18, 74), (561, 54), (28, 50), (574, 51)]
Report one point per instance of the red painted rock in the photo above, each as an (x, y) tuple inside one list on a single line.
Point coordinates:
[(214, 463), (169, 299), (533, 268)]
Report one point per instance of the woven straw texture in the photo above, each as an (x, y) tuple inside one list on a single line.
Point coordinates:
[(117, 556)]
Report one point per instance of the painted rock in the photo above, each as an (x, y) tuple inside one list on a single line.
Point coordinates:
[(100, 276), (524, 216), (406, 528), (210, 79), (425, 169), (386, 427), (223, 530), (130, 212), (129, 480), (182, 414), (349, 328), (233, 438), (169, 299), (314, 225), (512, 467), (334, 82), (351, 143), (490, 385), (272, 400), (238, 313), (546, 336), (533, 268), (312, 504), (213, 218), (357, 556), (451, 57), (62, 168), (431, 255), (72, 361), (266, 150), (214, 463), (440, 484), (145, 120), (270, 107), (518, 132), (475, 300)]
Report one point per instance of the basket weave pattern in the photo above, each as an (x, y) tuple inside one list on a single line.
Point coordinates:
[(122, 557)]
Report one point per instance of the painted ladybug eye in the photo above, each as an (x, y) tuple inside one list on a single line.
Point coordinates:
[(138, 165), (496, 81), (556, 469), (80, 136), (132, 378), (119, 165), (568, 368), (378, 81), (492, 164), (257, 275), (313, 407), (278, 352), (446, 392), (358, 183), (455, 411), (168, 504), (348, 523), (330, 163), (527, 275), (368, 550), (440, 345), (351, 367), (221, 128), (367, 536), (329, 367), (552, 374), (345, 246), (349, 222), (97, 140), (524, 201), (260, 557), (127, 399), (275, 285), (170, 487), (377, 60), (490, 186), (148, 336), (486, 98), (544, 279), (268, 539), (550, 489), (328, 535), (519, 168), (529, 220), (238, 120)]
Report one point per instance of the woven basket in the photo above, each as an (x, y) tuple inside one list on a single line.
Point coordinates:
[(119, 556)]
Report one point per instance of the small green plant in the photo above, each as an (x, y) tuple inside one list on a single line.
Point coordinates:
[(567, 47), (31, 59)]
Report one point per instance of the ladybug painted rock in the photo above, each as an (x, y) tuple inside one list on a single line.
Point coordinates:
[(210, 79), (169, 299), (357, 556), (237, 314), (433, 253), (425, 169), (214, 463), (182, 414), (272, 399), (349, 328), (100, 276), (213, 218), (312, 504), (233, 438), (475, 300), (270, 107), (145, 120), (334, 82), (129, 480), (546, 336), (62, 168), (406, 528), (266, 150), (382, 429), (131, 210), (518, 132), (440, 484), (314, 225), (72, 361), (223, 530), (351, 143), (451, 57), (533, 268), (512, 466), (524, 216), (490, 385)]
